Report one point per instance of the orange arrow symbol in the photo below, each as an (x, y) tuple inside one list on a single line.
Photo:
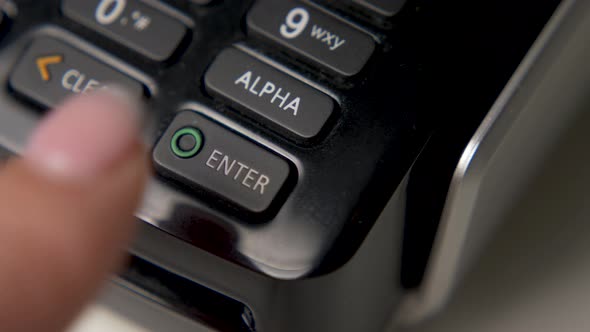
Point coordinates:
[(44, 62)]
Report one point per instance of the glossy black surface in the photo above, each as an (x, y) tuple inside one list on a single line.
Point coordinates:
[(344, 176), (383, 7)]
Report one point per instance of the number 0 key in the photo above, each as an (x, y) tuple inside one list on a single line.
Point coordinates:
[(318, 36), (132, 23)]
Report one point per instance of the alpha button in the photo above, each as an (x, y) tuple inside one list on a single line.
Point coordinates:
[(260, 88)]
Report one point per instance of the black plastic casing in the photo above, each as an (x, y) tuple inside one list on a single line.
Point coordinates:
[(343, 178), (322, 259)]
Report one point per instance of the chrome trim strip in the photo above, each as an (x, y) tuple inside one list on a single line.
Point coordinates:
[(539, 102)]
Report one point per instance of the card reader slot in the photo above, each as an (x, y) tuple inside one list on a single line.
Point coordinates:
[(187, 298)]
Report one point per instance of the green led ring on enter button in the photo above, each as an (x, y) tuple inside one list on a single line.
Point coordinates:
[(193, 141)]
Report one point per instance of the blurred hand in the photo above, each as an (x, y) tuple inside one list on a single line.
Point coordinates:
[(66, 210)]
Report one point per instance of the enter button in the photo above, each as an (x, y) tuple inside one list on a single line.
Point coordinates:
[(225, 164)]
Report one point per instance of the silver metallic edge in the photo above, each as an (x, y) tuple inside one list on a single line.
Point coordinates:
[(449, 258)]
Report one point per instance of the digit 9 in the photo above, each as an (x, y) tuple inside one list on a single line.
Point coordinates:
[(295, 23)]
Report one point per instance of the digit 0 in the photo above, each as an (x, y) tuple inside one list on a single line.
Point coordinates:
[(295, 22), (108, 11)]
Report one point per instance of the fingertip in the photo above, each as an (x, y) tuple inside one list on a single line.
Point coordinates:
[(71, 235), (85, 135)]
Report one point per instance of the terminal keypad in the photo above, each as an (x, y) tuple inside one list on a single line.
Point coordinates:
[(272, 77)]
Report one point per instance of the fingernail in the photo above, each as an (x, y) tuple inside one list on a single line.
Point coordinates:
[(86, 135)]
